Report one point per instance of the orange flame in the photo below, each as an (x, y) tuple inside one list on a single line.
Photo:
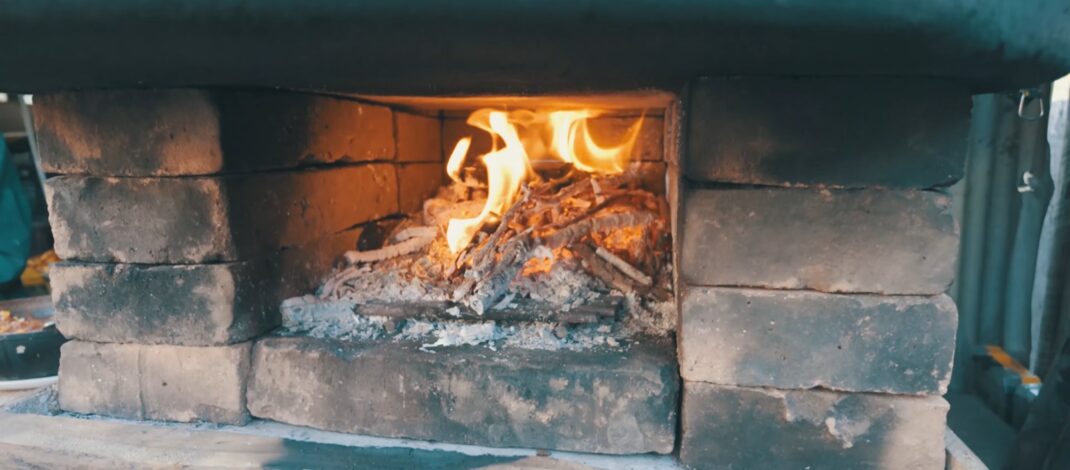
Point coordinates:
[(522, 135)]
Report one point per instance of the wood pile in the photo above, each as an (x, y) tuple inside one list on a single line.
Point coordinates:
[(605, 227)]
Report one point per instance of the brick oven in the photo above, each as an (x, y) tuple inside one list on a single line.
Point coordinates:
[(810, 281), (785, 308), (235, 201)]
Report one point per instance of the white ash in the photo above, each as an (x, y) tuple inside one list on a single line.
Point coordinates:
[(44, 401), (561, 287), (653, 317), (334, 319), (458, 334), (415, 329), (337, 319), (391, 286)]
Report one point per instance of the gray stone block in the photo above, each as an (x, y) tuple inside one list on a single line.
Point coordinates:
[(212, 218), (732, 427), (592, 401), (849, 132), (865, 241), (192, 305), (199, 132), (800, 340), (169, 383), (100, 379), (186, 384)]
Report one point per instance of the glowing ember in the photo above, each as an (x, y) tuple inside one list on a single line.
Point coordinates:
[(525, 135)]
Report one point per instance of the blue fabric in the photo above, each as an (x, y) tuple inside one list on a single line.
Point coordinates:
[(14, 220)]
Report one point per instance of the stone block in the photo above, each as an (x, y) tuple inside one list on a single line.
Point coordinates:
[(192, 305), (801, 340), (592, 401), (199, 132), (186, 384), (417, 182), (735, 427), (161, 382), (846, 132), (100, 379), (865, 241), (419, 138), (211, 219)]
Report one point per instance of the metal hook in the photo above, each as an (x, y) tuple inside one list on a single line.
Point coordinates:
[(1027, 182), (1026, 94)]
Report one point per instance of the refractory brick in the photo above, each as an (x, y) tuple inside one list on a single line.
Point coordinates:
[(603, 401), (828, 131), (855, 241), (170, 383), (191, 304), (212, 219), (801, 340), (736, 427), (201, 132)]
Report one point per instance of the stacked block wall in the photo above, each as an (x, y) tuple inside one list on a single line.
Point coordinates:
[(816, 246), (185, 216)]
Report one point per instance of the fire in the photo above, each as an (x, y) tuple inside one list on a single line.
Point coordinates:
[(524, 135)]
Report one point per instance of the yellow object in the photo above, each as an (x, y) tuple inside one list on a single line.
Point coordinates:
[(999, 355), (36, 272)]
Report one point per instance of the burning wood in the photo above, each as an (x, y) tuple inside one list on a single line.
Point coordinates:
[(567, 241), (624, 267)]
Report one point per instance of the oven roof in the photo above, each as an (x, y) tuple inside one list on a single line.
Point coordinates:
[(430, 47)]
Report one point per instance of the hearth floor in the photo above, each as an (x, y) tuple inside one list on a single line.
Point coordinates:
[(619, 400), (33, 438)]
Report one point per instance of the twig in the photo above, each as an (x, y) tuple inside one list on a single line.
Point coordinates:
[(478, 271), (477, 255), (602, 269), (604, 183), (387, 252), (487, 292), (579, 229), (598, 197), (416, 232), (624, 267), (339, 279)]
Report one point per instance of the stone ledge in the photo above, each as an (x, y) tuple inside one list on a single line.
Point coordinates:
[(733, 427), (200, 132), (847, 132), (168, 383), (595, 401), (853, 241), (191, 305), (35, 441), (212, 219), (801, 340)]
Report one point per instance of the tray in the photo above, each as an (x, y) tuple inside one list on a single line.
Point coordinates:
[(30, 355)]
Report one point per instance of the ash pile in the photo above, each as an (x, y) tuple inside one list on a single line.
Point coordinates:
[(561, 251)]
